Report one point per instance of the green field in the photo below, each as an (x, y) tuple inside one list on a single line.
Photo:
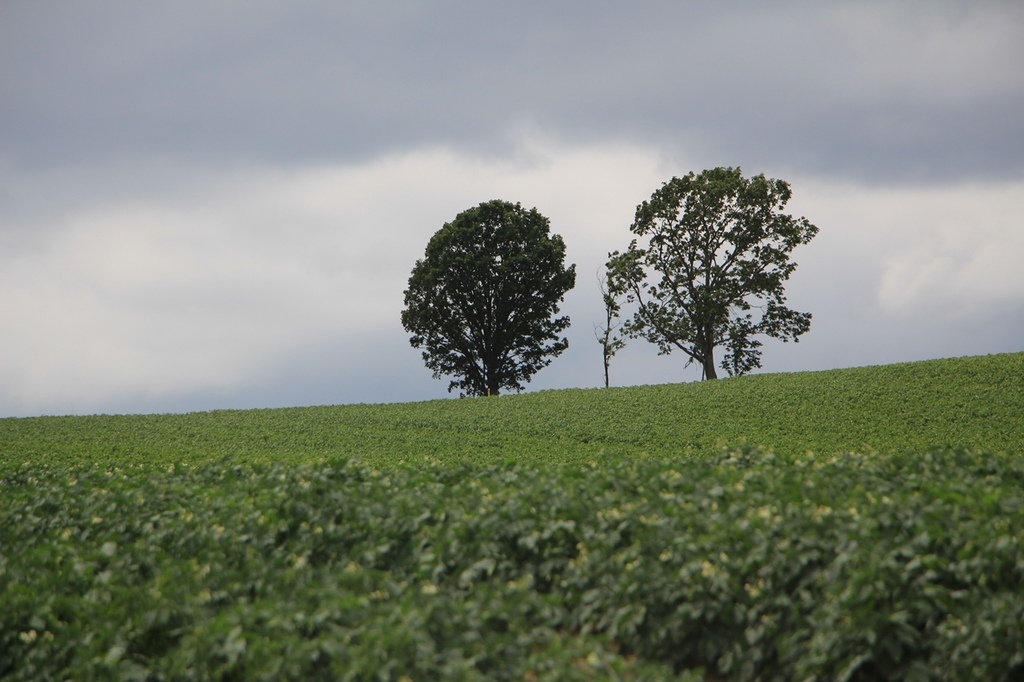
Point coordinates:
[(972, 402), (854, 524)]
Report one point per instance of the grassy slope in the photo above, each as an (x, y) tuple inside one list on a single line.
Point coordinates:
[(974, 402)]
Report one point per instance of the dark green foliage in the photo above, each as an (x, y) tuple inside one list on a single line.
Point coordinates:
[(717, 247), (482, 301), (742, 565)]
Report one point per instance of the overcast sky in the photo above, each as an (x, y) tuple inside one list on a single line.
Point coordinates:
[(209, 205)]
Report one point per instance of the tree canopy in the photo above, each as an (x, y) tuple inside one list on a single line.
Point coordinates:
[(708, 265), (482, 302)]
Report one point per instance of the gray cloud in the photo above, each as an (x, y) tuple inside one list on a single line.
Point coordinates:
[(875, 91), (211, 205)]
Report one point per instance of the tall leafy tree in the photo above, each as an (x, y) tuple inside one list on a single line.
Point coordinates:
[(707, 266), (483, 301)]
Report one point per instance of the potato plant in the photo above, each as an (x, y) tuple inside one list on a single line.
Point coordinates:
[(741, 565)]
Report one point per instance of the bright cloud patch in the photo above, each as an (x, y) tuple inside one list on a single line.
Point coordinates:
[(961, 252)]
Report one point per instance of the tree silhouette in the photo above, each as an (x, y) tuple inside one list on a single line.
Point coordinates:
[(482, 302)]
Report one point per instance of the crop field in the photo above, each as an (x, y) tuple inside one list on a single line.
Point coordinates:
[(847, 525), (968, 402)]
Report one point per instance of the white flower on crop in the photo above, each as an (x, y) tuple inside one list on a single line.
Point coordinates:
[(429, 588), (28, 637), (671, 476), (821, 511), (525, 582), (755, 590)]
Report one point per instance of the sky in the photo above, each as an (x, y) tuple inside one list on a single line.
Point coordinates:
[(217, 204)]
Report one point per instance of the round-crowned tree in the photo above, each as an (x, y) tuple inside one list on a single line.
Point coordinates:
[(483, 302)]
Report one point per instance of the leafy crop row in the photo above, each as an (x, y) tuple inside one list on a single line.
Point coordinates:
[(742, 565)]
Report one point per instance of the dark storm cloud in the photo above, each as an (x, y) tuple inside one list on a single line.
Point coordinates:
[(877, 92)]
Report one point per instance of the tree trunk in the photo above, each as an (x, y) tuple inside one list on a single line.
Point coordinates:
[(490, 372), (709, 365)]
